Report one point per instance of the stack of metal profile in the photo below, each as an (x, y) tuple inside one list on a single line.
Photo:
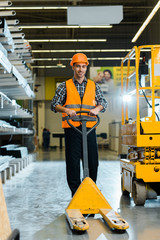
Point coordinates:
[(5, 36), (10, 109), (4, 161), (8, 129), (16, 79), (14, 151)]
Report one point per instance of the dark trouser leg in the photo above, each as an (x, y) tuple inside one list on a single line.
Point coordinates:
[(45, 143), (92, 155), (73, 149)]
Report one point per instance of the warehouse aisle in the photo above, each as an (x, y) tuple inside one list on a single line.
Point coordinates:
[(37, 197)]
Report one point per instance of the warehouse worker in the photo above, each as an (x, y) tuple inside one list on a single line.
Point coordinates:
[(78, 92)]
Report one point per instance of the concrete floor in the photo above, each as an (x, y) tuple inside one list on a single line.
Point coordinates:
[(37, 197)]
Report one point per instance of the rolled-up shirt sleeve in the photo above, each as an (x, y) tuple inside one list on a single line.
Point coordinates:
[(60, 96), (100, 99)]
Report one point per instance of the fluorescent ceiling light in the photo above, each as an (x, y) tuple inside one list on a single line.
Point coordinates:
[(49, 26), (50, 59), (42, 59), (64, 26), (34, 8), (155, 9), (62, 66), (67, 40), (96, 26), (109, 58), (69, 59), (81, 50)]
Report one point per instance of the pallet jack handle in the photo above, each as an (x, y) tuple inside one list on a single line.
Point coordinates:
[(84, 119)]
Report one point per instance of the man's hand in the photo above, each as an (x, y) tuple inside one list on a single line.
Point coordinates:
[(70, 112), (95, 111)]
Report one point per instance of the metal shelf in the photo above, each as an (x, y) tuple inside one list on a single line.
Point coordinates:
[(15, 76), (6, 158), (16, 86), (14, 71), (5, 62), (7, 129), (14, 131), (10, 109), (5, 36)]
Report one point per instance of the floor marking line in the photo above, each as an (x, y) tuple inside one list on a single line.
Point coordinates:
[(101, 237)]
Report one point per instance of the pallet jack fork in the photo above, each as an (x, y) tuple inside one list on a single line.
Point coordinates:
[(88, 199)]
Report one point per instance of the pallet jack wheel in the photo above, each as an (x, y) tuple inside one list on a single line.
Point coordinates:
[(124, 192), (139, 193)]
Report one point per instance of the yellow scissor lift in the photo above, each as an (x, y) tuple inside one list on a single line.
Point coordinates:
[(141, 170)]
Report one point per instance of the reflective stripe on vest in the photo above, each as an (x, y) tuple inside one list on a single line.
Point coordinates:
[(79, 106), (73, 101)]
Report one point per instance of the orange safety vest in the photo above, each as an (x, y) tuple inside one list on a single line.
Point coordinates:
[(73, 101)]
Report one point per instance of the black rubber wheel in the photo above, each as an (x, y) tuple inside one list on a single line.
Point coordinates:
[(124, 192), (139, 193)]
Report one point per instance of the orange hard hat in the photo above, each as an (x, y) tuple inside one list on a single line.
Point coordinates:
[(79, 57)]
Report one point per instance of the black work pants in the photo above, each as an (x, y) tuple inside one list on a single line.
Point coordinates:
[(74, 152)]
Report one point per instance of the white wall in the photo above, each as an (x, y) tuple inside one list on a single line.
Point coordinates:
[(53, 122)]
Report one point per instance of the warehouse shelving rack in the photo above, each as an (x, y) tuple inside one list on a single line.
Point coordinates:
[(16, 83)]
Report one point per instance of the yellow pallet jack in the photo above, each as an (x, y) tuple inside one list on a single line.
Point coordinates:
[(88, 199)]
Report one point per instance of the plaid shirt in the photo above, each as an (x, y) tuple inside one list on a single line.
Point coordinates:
[(60, 96)]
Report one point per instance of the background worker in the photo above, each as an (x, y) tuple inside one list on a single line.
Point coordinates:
[(107, 75), (46, 138), (78, 93)]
